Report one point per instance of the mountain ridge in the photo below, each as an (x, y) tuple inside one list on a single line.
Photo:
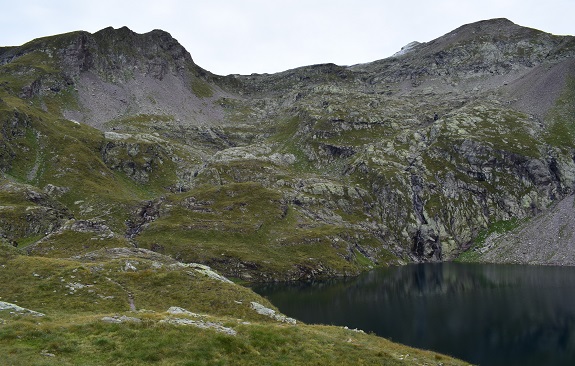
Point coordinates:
[(320, 139)]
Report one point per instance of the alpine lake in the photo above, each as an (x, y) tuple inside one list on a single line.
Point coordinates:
[(485, 314)]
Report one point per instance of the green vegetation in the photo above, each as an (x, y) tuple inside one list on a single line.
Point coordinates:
[(201, 88), (248, 226), (561, 132), (25, 70), (499, 227), (76, 296), (70, 243), (97, 343)]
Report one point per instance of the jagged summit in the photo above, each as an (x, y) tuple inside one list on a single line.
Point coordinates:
[(116, 73), (484, 28), (149, 43), (122, 47)]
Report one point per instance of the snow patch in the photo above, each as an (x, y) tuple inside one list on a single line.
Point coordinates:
[(405, 49)]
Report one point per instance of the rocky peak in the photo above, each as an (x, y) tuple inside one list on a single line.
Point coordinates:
[(484, 48), (110, 52), (150, 44), (499, 27), (120, 51), (114, 73)]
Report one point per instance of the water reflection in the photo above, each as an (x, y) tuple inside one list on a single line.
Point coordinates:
[(485, 314)]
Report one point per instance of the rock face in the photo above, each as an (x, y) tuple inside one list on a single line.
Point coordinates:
[(317, 171)]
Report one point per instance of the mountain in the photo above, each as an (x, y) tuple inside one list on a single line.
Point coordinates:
[(127, 170), (407, 158), (318, 171)]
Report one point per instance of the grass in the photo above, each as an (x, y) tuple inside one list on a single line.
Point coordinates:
[(244, 228), (147, 163), (26, 69), (27, 214), (286, 135), (46, 149), (96, 343), (72, 332), (561, 130), (234, 215), (69, 243), (201, 88), (492, 126), (52, 285), (76, 295), (498, 227)]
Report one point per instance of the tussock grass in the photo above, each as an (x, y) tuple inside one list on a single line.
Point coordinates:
[(96, 343)]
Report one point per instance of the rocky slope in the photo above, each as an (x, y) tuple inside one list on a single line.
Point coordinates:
[(117, 139), (549, 239)]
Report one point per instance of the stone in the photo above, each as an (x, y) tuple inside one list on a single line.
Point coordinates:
[(200, 324), (260, 309), (18, 309), (207, 271), (120, 319), (174, 310)]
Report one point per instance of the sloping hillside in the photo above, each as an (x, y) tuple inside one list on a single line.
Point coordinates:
[(549, 239)]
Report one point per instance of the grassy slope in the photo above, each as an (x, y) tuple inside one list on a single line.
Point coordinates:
[(47, 149), (249, 223), (72, 331), (100, 182)]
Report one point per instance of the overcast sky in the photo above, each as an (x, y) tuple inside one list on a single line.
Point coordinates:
[(257, 36)]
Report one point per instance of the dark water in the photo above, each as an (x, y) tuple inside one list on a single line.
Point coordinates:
[(484, 314)]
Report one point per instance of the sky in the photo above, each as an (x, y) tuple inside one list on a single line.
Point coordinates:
[(267, 36)]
